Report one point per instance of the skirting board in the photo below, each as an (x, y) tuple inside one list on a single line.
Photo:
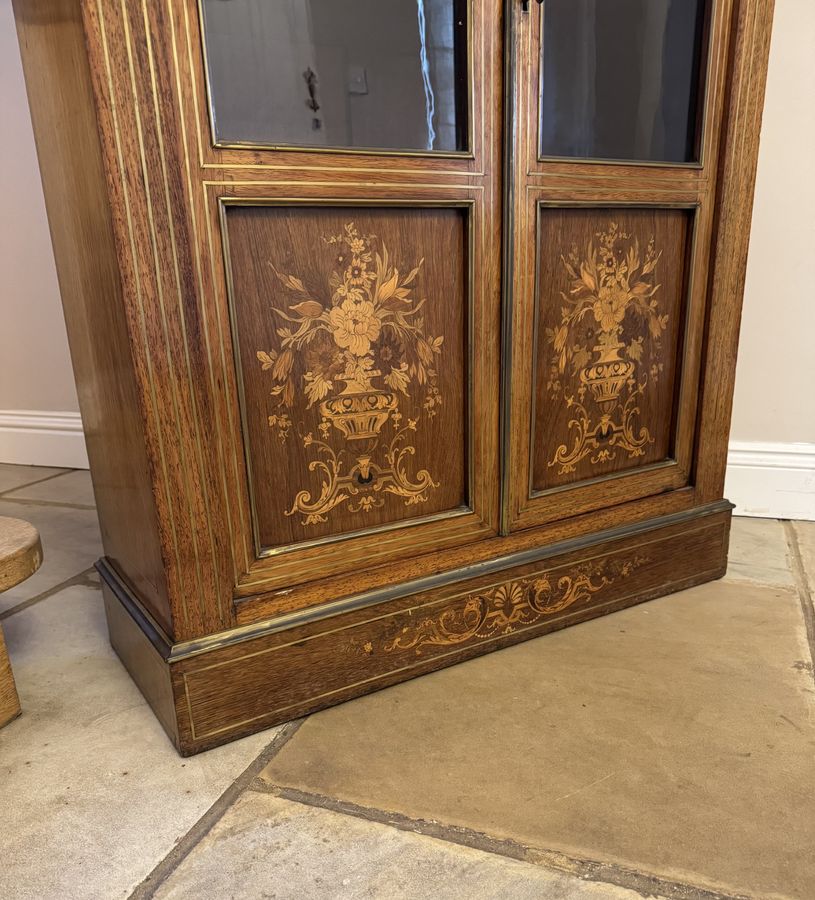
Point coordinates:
[(771, 480), (766, 479), (31, 437)]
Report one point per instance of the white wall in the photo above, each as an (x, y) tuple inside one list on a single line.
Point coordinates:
[(773, 434), (39, 418), (772, 460)]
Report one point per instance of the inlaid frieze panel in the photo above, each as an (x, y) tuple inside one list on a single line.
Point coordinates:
[(422, 632), (610, 295), (350, 327)]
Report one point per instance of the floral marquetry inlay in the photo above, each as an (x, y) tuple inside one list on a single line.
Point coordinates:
[(364, 352), (613, 280), (510, 606)]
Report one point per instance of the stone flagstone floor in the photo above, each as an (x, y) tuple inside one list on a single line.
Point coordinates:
[(667, 750)]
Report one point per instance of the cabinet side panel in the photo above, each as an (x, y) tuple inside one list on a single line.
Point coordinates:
[(752, 27), (65, 127)]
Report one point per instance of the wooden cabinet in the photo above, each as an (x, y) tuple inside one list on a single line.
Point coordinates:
[(403, 331)]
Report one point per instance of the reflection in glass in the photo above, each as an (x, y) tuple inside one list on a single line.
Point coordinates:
[(621, 79), (339, 73)]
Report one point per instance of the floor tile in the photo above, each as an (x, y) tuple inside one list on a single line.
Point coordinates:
[(73, 487), (70, 543), (758, 551), (675, 737), (268, 847), (92, 792), (12, 477)]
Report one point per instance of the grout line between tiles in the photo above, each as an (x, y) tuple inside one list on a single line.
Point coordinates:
[(28, 484), (804, 593), (82, 578), (165, 868), (25, 501), (585, 869)]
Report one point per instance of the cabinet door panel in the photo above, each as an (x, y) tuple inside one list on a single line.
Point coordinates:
[(609, 231), (610, 295), (350, 326)]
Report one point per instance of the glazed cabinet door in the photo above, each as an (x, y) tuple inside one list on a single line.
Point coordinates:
[(349, 174), (617, 105), (308, 199)]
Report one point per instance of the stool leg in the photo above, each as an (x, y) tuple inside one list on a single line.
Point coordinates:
[(9, 701)]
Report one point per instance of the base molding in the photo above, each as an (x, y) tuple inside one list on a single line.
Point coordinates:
[(229, 689), (31, 437), (772, 480)]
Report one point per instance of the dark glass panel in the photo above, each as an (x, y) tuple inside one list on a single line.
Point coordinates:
[(622, 79), (339, 73)]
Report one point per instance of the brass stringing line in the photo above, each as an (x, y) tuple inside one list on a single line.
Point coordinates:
[(234, 424), (179, 297), (160, 288), (346, 538), (533, 365), (477, 316), (412, 609), (715, 76), (522, 310), (471, 129), (189, 708), (391, 672), (694, 301), (593, 481), (602, 204), (271, 564), (608, 175), (712, 86), (403, 186), (315, 168), (139, 296), (461, 520), (521, 285), (194, 84), (202, 293), (234, 427)]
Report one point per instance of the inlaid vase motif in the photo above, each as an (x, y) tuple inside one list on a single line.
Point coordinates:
[(365, 359), (609, 283)]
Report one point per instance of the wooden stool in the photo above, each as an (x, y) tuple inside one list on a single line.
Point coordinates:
[(20, 557)]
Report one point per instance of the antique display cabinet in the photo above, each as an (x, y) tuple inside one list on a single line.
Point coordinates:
[(404, 330)]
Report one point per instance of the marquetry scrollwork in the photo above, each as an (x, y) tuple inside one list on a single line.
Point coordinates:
[(610, 283), (368, 364), (503, 609)]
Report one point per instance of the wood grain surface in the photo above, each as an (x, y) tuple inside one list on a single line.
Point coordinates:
[(136, 190), (637, 310), (289, 278), (20, 557), (20, 551), (9, 700), (52, 45)]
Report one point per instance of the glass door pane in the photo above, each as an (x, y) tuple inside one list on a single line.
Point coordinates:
[(622, 79), (339, 73)]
